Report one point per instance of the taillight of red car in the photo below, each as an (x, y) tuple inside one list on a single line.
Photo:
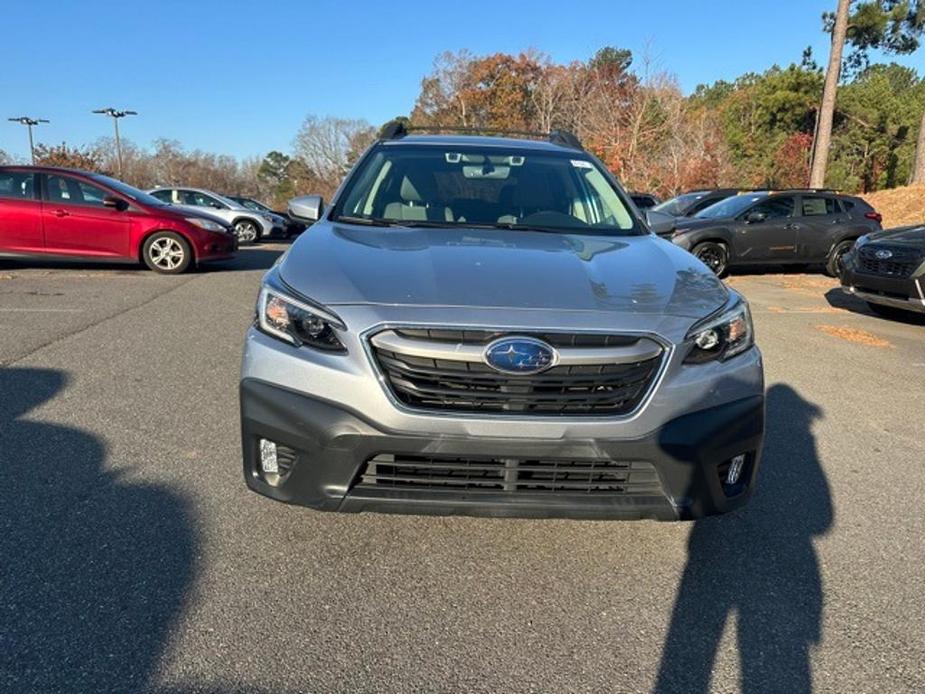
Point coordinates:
[(876, 216)]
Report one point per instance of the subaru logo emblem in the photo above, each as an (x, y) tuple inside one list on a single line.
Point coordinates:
[(520, 355), (883, 254)]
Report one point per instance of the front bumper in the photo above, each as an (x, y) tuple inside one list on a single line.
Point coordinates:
[(218, 247), (332, 445), (903, 293)]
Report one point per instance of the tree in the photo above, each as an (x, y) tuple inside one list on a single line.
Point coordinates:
[(5, 158), (823, 136), (893, 26), (69, 157), (328, 147)]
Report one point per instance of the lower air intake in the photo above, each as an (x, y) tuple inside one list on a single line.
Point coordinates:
[(509, 475)]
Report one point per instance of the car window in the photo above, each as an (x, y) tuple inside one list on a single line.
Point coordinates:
[(198, 199), (16, 184), (64, 189), (163, 195), (679, 205), (731, 206), (485, 186), (818, 206), (775, 207)]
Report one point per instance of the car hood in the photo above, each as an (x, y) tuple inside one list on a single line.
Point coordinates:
[(692, 223), (913, 236), (186, 212), (345, 264)]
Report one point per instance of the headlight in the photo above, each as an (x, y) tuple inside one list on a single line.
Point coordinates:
[(722, 336), (206, 224), (297, 323)]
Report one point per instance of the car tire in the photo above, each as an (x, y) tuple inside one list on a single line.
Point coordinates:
[(713, 254), (247, 231), (834, 265), (167, 253)]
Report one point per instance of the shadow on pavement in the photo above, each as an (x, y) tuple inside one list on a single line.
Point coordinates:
[(94, 570), (760, 565), (839, 299)]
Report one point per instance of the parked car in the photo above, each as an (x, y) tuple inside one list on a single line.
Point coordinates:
[(887, 270), (481, 325), (290, 226), (777, 228), (249, 226), (644, 200), (690, 203), (55, 212)]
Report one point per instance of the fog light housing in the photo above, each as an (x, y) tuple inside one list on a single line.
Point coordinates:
[(735, 469), (269, 461)]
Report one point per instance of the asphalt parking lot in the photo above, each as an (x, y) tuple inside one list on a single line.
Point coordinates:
[(134, 559)]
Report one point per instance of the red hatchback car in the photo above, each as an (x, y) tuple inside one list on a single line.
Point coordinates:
[(54, 212)]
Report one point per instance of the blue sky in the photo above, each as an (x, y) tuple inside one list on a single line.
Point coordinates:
[(239, 77)]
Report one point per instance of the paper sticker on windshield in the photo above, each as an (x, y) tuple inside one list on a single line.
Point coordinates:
[(582, 164)]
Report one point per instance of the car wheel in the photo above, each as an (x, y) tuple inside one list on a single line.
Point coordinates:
[(714, 255), (167, 253), (836, 262), (246, 231)]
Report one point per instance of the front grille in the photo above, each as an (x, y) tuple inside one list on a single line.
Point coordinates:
[(901, 265), (564, 390), (508, 475)]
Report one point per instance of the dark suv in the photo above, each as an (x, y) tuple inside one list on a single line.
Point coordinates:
[(777, 228), (887, 270)]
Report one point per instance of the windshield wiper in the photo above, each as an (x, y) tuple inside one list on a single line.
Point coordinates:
[(368, 221)]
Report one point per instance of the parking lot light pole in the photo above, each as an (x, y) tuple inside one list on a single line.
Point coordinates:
[(116, 115), (30, 123)]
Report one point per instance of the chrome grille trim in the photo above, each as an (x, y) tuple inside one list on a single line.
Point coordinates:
[(389, 340), (547, 332)]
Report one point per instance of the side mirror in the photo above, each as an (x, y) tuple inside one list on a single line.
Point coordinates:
[(115, 203), (306, 208), (756, 217)]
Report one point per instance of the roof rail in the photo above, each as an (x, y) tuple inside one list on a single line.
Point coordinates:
[(396, 129)]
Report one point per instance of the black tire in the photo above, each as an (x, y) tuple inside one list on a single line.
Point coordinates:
[(835, 262), (247, 231), (167, 253), (713, 254)]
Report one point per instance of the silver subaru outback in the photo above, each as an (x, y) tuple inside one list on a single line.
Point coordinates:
[(486, 326)]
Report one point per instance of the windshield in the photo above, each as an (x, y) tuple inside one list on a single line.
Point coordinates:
[(249, 204), (129, 191), (413, 185), (679, 204), (729, 207)]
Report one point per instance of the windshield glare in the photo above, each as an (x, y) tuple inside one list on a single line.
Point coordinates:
[(484, 186), (129, 191), (678, 205), (729, 207)]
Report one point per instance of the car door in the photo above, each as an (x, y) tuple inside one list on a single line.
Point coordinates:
[(767, 231), (821, 220), (76, 222), (20, 213)]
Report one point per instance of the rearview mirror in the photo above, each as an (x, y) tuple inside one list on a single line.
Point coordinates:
[(756, 217), (115, 203), (306, 208)]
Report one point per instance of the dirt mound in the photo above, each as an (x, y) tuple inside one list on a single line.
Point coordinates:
[(899, 206)]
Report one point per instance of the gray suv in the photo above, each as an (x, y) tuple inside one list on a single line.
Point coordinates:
[(249, 225), (484, 326)]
